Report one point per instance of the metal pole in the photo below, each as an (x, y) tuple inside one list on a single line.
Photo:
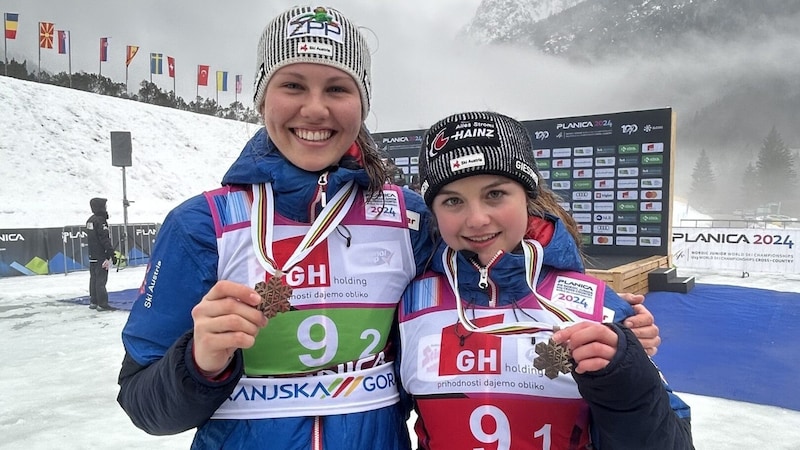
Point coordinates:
[(64, 249), (125, 204)]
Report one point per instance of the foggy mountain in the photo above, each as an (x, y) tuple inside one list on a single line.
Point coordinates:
[(730, 69)]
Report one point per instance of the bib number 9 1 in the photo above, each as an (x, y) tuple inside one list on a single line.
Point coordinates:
[(501, 436)]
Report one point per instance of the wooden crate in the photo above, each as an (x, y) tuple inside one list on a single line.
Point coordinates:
[(631, 277)]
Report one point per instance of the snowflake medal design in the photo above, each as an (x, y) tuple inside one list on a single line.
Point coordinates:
[(275, 296), (553, 358)]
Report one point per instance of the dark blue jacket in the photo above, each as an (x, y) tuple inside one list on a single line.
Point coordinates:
[(160, 388)]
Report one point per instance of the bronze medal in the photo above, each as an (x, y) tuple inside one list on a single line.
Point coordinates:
[(553, 358), (275, 295)]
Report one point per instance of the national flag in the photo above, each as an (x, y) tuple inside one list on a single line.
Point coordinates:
[(130, 52), (63, 42), (46, 30), (156, 60), (202, 75), (171, 66), (238, 84), (12, 20), (222, 81), (104, 49)]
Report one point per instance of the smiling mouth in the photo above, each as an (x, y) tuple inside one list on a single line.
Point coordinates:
[(482, 239), (312, 135)]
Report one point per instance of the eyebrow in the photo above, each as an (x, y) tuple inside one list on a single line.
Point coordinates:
[(495, 184), (333, 79)]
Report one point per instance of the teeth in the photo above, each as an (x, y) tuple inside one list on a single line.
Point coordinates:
[(311, 135), (483, 238)]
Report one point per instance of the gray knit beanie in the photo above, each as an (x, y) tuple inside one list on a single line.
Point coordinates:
[(319, 35), (476, 143)]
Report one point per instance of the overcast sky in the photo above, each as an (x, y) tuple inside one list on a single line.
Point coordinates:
[(222, 35), (422, 71)]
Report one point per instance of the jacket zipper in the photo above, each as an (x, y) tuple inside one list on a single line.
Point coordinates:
[(320, 198), (316, 434), (323, 187), (485, 282)]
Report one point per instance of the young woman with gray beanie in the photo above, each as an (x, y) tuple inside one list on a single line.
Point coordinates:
[(266, 316), (507, 343)]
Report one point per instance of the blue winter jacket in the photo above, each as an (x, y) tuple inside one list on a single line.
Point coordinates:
[(629, 399), (160, 388)]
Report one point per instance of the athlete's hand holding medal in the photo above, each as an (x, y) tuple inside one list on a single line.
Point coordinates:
[(227, 318)]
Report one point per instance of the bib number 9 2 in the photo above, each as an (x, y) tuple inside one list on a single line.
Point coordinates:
[(320, 336)]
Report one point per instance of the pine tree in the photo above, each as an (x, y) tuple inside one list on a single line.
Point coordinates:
[(749, 195), (776, 178), (703, 189)]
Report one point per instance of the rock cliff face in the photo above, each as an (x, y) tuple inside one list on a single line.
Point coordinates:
[(730, 69)]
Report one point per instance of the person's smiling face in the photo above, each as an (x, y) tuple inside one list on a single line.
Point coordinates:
[(483, 214), (312, 113)]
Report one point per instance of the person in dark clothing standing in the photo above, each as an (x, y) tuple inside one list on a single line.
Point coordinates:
[(101, 254)]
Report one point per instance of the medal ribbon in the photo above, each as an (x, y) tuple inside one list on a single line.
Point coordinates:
[(262, 225), (533, 266)]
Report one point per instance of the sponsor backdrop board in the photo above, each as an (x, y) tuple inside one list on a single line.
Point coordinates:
[(403, 148), (612, 171)]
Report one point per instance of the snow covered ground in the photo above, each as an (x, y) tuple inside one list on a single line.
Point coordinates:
[(60, 362)]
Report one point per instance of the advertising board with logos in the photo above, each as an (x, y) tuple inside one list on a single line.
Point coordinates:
[(403, 148), (612, 171)]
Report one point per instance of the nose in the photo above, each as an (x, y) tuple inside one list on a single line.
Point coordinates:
[(477, 216), (315, 106)]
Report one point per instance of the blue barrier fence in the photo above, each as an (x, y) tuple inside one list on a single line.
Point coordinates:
[(41, 251)]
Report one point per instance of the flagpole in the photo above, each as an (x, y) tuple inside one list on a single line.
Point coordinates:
[(69, 56), (5, 43), (39, 75)]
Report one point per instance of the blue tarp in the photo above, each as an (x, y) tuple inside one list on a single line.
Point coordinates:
[(730, 342)]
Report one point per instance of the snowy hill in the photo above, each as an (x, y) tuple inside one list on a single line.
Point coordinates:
[(55, 154)]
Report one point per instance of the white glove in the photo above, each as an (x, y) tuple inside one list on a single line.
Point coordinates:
[(106, 264)]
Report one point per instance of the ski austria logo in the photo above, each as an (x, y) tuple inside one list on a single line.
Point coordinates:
[(338, 388), (464, 353)]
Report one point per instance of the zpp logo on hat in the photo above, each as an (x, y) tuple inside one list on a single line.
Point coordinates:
[(316, 23)]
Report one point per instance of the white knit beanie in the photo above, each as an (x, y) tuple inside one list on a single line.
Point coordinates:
[(319, 35)]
